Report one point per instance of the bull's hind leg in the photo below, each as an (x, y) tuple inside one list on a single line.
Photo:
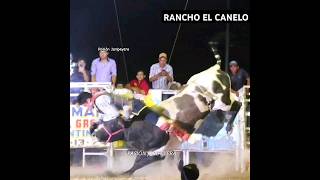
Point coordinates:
[(180, 163), (142, 161)]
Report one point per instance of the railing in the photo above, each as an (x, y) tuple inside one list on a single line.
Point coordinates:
[(244, 127), (246, 101), (87, 85)]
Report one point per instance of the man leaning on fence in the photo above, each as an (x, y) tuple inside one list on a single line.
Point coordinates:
[(161, 73), (239, 77), (104, 69)]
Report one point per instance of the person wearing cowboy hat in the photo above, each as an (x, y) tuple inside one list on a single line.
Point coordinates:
[(161, 73)]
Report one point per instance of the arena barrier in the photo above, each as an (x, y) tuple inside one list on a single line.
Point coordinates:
[(243, 127), (85, 86), (236, 143), (79, 121)]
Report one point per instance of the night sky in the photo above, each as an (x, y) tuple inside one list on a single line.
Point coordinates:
[(93, 24)]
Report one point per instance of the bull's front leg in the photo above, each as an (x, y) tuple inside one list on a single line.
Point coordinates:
[(180, 163), (141, 161)]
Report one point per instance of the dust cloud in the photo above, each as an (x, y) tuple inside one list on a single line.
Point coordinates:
[(211, 166)]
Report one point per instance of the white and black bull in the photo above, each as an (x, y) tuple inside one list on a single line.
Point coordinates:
[(206, 91)]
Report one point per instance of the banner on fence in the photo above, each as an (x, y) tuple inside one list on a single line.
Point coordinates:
[(80, 121)]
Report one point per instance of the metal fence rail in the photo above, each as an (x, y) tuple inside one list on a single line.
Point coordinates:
[(87, 85), (110, 151), (244, 141)]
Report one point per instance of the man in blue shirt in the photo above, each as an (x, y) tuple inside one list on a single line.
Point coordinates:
[(104, 69), (239, 77)]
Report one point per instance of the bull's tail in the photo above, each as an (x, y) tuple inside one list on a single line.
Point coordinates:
[(216, 55), (219, 62)]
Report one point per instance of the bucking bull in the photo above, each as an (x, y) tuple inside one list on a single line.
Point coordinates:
[(155, 128)]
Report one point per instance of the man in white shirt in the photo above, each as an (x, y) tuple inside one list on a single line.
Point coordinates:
[(161, 73)]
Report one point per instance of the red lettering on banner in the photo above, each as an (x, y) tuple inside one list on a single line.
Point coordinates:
[(78, 123), (85, 123)]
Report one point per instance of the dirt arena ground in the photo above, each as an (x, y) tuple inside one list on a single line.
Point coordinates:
[(220, 167)]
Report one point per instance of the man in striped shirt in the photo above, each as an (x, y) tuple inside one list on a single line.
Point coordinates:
[(161, 73)]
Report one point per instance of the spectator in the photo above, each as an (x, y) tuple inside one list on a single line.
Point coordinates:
[(190, 172), (139, 85), (104, 69), (81, 74), (239, 77), (161, 73)]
